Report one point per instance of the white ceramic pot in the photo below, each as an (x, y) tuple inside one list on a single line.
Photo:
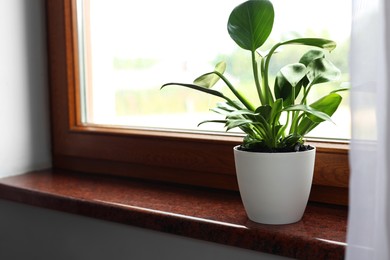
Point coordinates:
[(274, 187)]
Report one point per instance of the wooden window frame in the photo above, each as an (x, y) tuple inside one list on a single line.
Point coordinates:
[(198, 159)]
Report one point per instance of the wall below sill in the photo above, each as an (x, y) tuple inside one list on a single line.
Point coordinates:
[(210, 215)]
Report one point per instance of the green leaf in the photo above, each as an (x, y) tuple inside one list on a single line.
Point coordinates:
[(310, 110), (293, 73), (250, 23), (292, 140), (265, 112), (220, 111), (306, 125), (212, 121), (230, 107), (321, 71), (199, 88), (307, 58), (278, 131), (208, 80), (287, 82), (233, 123), (315, 42), (277, 108), (341, 90), (233, 114), (310, 56), (242, 112), (226, 109), (327, 104)]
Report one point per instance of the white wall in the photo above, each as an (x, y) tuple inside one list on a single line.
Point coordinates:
[(24, 130), (34, 233)]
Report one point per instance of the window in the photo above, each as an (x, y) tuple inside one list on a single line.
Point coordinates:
[(203, 159), (127, 50)]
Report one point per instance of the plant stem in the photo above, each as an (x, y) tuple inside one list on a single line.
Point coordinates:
[(294, 124), (267, 91), (242, 99), (285, 125), (292, 130), (262, 97), (303, 101)]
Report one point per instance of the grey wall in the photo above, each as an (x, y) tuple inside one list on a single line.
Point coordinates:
[(33, 233)]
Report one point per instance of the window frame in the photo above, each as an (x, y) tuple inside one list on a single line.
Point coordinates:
[(200, 159)]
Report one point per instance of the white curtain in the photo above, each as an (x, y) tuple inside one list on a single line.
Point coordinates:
[(368, 223)]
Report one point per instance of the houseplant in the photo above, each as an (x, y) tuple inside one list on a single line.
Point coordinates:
[(275, 127)]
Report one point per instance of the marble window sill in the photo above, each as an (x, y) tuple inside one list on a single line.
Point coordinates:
[(211, 215)]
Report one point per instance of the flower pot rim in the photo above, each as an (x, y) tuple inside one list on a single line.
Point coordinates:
[(235, 148)]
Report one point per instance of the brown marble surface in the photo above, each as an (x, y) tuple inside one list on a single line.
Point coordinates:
[(211, 215)]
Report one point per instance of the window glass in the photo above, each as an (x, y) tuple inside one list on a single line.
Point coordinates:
[(128, 49)]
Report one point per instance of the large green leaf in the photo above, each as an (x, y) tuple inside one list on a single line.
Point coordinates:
[(307, 58), (293, 73), (322, 70), (250, 23), (310, 56), (316, 42), (327, 104), (209, 79), (287, 82)]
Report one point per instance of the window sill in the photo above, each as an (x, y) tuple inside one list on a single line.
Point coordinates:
[(211, 215)]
